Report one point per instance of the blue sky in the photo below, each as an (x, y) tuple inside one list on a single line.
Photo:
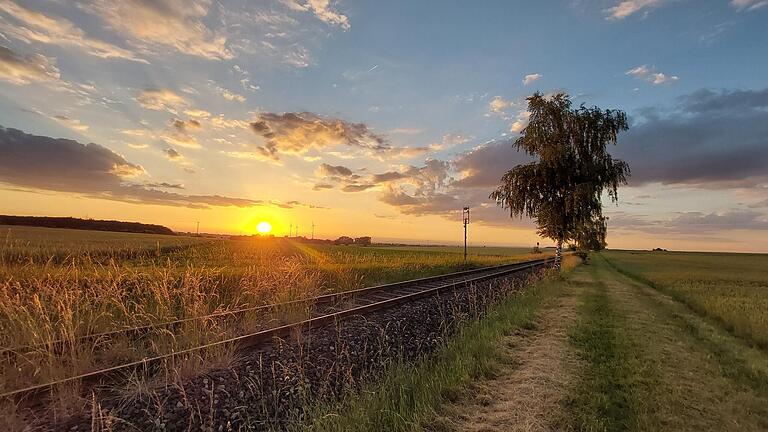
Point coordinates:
[(384, 114)]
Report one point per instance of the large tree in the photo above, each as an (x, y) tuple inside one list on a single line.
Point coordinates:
[(591, 236), (562, 188)]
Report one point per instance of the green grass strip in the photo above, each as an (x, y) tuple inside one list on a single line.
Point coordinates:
[(411, 393), (604, 399), (725, 352), (685, 300)]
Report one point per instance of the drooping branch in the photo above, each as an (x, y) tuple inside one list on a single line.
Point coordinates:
[(562, 189)]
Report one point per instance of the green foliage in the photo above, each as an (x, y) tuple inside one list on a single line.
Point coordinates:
[(591, 235), (562, 189)]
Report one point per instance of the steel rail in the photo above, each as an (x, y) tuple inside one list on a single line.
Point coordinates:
[(249, 340)]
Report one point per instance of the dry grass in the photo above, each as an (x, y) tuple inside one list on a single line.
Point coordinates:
[(528, 393), (83, 283)]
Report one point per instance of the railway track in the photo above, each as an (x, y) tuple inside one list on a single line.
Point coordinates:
[(317, 312)]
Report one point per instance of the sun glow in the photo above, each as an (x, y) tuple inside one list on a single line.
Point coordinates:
[(264, 227)]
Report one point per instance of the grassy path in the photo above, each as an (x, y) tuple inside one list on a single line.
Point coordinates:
[(707, 379), (615, 388), (529, 390), (613, 354)]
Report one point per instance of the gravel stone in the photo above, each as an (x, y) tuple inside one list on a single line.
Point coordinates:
[(269, 388)]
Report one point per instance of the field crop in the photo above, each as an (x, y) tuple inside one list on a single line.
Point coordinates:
[(22, 244), (59, 285), (730, 288)]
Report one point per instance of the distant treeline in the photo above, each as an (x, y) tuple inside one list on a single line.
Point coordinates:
[(85, 224)]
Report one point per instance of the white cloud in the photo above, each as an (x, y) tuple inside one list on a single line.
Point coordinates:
[(661, 78), (322, 10), (498, 105), (222, 122), (181, 140), (175, 24), (651, 75), (160, 99), (528, 79), (198, 113), (296, 55), (450, 140), (71, 123), (297, 133), (21, 70), (229, 95), (521, 121), (640, 71), (274, 35), (32, 26), (748, 5), (630, 7)]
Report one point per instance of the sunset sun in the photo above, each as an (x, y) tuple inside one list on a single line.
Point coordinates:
[(264, 227)]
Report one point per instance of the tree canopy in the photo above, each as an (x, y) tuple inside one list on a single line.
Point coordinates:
[(591, 236), (562, 188)]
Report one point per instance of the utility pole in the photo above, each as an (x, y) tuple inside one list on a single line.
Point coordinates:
[(198, 227), (313, 230), (297, 230), (290, 230), (466, 222)]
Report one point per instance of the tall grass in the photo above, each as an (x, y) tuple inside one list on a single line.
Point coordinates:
[(730, 288), (56, 292)]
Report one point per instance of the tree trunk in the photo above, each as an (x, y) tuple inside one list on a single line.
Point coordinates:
[(558, 254)]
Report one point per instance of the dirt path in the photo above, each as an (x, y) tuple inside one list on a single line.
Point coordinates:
[(611, 353), (528, 392)]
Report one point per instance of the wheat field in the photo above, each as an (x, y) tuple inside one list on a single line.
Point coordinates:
[(57, 285), (729, 288)]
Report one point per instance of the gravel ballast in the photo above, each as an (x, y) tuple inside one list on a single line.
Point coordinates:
[(271, 388)]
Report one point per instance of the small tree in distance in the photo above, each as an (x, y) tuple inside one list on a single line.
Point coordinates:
[(562, 189)]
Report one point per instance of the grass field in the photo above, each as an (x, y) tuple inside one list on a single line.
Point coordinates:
[(471, 250), (35, 244), (633, 341), (731, 288), (638, 341), (58, 284)]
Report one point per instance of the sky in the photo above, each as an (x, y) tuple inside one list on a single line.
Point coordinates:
[(379, 118)]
